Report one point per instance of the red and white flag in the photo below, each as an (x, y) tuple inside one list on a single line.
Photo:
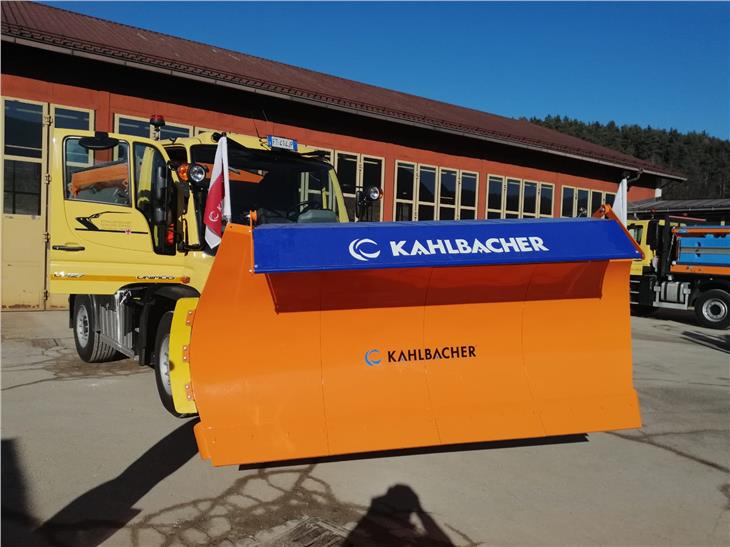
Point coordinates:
[(218, 203)]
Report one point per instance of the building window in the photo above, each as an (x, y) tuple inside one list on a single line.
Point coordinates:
[(529, 199), (426, 192), (22, 187), (132, 126), (468, 191), (567, 208), (174, 131), (346, 167), (516, 198), (140, 127), (372, 175), (358, 172), (405, 178), (582, 202), (596, 201), (546, 199), (495, 204), (23, 153), (512, 203), (447, 194), (71, 118)]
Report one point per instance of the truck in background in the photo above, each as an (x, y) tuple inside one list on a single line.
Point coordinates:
[(127, 222), (683, 267)]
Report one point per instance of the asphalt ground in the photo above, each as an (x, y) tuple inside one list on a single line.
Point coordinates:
[(89, 458)]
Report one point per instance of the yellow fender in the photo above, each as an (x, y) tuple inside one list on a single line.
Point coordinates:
[(180, 334)]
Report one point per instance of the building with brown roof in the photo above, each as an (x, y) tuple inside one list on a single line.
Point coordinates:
[(432, 160)]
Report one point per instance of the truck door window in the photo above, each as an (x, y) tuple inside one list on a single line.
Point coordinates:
[(637, 232), (93, 175)]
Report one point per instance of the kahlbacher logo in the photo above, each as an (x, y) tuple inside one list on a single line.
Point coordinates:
[(363, 249), (375, 356), (364, 254)]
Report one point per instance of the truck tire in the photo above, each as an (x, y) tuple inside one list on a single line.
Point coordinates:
[(89, 345), (712, 309), (161, 364)]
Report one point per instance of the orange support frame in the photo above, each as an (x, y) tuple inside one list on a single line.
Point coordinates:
[(300, 365)]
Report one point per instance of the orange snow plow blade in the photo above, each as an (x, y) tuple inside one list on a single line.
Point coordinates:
[(318, 340)]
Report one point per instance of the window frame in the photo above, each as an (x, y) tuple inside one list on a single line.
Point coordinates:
[(520, 185), (396, 199), (542, 185), (536, 213), (150, 133), (42, 160), (491, 177), (359, 172), (572, 200), (460, 207)]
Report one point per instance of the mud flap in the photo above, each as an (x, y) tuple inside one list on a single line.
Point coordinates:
[(318, 340)]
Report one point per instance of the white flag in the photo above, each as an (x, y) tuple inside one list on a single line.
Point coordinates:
[(620, 206), (218, 202)]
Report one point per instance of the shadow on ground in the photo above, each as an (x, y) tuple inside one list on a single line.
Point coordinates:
[(389, 521), (17, 522), (719, 341), (96, 515), (272, 505)]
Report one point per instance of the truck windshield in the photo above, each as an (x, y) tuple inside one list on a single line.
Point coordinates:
[(280, 187)]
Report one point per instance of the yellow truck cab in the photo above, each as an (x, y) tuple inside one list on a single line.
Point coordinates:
[(127, 222)]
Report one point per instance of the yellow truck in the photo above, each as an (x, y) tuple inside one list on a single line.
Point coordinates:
[(126, 226), (683, 267)]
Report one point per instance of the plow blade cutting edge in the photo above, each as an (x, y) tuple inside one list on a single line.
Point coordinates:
[(318, 340)]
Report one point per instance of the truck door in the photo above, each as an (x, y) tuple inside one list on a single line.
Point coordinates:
[(111, 206)]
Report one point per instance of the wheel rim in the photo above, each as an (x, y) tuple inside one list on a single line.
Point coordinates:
[(164, 364), (715, 310), (82, 326)]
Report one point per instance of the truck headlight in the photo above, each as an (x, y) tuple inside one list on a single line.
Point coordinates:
[(197, 172), (373, 193)]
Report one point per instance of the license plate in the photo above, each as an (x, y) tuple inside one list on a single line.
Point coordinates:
[(282, 143)]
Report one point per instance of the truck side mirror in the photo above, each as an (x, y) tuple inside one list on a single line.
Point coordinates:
[(160, 185), (183, 195), (651, 234)]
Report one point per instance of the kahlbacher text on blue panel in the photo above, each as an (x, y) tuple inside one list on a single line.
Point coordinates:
[(312, 247)]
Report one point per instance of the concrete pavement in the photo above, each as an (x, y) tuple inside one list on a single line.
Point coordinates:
[(90, 458)]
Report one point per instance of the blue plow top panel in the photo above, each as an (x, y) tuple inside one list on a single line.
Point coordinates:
[(361, 246)]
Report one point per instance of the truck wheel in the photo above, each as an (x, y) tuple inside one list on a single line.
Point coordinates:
[(713, 309), (88, 343), (161, 363)]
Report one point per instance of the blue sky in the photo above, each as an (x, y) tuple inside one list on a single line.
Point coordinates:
[(666, 65)]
